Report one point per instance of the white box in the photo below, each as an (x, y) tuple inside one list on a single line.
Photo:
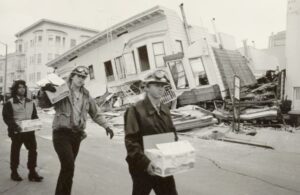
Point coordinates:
[(62, 89), (61, 92), (31, 125), (172, 158)]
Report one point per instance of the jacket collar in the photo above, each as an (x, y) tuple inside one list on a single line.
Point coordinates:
[(150, 108), (16, 100), (82, 89)]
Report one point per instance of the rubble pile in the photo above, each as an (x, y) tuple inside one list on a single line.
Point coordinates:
[(190, 117), (260, 104)]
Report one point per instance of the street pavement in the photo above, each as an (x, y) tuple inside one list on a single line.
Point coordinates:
[(221, 168)]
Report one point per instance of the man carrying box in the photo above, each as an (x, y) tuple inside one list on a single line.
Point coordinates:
[(148, 117), (69, 124), (17, 109)]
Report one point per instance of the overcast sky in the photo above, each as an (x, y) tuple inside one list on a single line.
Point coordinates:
[(251, 19)]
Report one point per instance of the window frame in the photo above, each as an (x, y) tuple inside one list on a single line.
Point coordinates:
[(157, 55), (91, 72), (122, 67)]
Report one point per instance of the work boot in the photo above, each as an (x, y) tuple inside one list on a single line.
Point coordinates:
[(34, 176), (15, 176)]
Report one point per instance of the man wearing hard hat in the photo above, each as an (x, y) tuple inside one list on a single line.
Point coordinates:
[(148, 117), (70, 122)]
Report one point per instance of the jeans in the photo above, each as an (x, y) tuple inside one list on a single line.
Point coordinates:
[(28, 139), (66, 144), (143, 183)]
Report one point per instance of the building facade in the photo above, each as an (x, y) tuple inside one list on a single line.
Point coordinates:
[(42, 42), (292, 88), (154, 39), (277, 40), (15, 70)]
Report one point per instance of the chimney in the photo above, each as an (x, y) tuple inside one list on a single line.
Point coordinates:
[(186, 26), (245, 48), (219, 41), (253, 44)]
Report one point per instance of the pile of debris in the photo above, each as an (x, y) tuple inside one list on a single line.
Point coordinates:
[(184, 118), (261, 104), (190, 117)]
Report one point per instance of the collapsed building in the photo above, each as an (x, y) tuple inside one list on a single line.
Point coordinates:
[(201, 65)]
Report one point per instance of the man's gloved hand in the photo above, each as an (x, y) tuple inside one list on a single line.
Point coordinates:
[(109, 132), (150, 169), (18, 130), (176, 138), (49, 87)]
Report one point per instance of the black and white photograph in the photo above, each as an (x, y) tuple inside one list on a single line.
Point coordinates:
[(150, 97)]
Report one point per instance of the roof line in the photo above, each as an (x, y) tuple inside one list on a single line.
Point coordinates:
[(54, 22), (102, 33)]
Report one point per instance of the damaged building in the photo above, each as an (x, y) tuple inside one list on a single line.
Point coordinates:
[(201, 65)]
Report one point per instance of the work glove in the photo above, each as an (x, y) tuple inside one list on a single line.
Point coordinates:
[(49, 87), (109, 132), (18, 129), (150, 169)]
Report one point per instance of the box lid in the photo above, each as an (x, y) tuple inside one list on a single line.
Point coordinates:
[(174, 148)]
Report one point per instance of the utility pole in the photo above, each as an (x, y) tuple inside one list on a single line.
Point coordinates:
[(5, 72)]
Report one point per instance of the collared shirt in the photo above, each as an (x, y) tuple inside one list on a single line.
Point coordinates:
[(77, 107), (155, 106), (22, 100)]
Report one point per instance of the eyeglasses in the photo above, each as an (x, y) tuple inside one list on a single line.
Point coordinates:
[(81, 76), (82, 69)]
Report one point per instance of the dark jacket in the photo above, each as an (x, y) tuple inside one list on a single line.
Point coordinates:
[(64, 118), (142, 119), (8, 114)]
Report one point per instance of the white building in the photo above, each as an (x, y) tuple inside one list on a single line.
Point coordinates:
[(15, 70), (153, 39), (260, 60), (45, 40), (2, 66), (292, 88)]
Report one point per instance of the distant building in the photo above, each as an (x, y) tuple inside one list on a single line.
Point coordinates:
[(15, 70), (292, 87), (277, 40), (271, 58), (42, 42), (154, 39), (259, 60), (2, 65)]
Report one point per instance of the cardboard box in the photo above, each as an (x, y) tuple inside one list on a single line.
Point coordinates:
[(31, 125), (172, 158), (150, 141), (62, 89), (61, 92)]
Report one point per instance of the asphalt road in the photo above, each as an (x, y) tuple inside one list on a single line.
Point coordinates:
[(221, 168)]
